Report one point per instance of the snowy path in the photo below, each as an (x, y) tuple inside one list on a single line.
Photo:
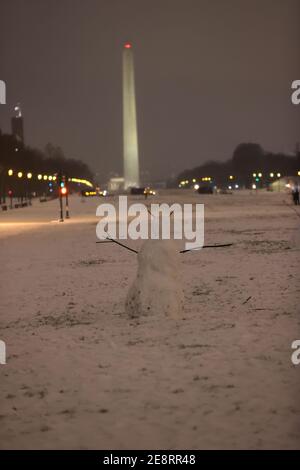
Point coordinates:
[(81, 375)]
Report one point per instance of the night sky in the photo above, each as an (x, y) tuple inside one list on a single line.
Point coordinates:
[(209, 75)]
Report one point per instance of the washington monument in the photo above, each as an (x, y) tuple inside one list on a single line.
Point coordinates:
[(130, 139)]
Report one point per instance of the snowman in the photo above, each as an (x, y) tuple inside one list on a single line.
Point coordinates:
[(157, 288)]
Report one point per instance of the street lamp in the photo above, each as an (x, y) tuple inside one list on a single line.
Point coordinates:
[(29, 176), (10, 172), (20, 174)]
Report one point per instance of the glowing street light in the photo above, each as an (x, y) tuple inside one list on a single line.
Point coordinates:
[(254, 175), (40, 177), (260, 175), (278, 175), (20, 174), (254, 186), (10, 172), (272, 175), (50, 178), (29, 176), (231, 177), (45, 177)]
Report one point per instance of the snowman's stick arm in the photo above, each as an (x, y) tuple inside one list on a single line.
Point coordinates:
[(206, 246), (112, 240)]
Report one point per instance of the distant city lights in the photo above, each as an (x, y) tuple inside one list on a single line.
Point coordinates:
[(40, 177)]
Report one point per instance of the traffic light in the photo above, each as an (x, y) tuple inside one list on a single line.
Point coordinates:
[(63, 191)]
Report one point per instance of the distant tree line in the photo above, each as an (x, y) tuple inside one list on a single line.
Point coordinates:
[(15, 155), (247, 159), (22, 170)]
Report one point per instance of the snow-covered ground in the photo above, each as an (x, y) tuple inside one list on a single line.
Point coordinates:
[(81, 374)]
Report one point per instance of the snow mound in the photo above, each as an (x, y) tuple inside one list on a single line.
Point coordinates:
[(157, 289)]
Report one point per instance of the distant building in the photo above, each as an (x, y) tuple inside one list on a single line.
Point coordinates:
[(116, 184), (17, 124), (2, 92), (285, 184)]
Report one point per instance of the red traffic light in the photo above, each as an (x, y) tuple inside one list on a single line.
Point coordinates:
[(10, 192), (63, 191)]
